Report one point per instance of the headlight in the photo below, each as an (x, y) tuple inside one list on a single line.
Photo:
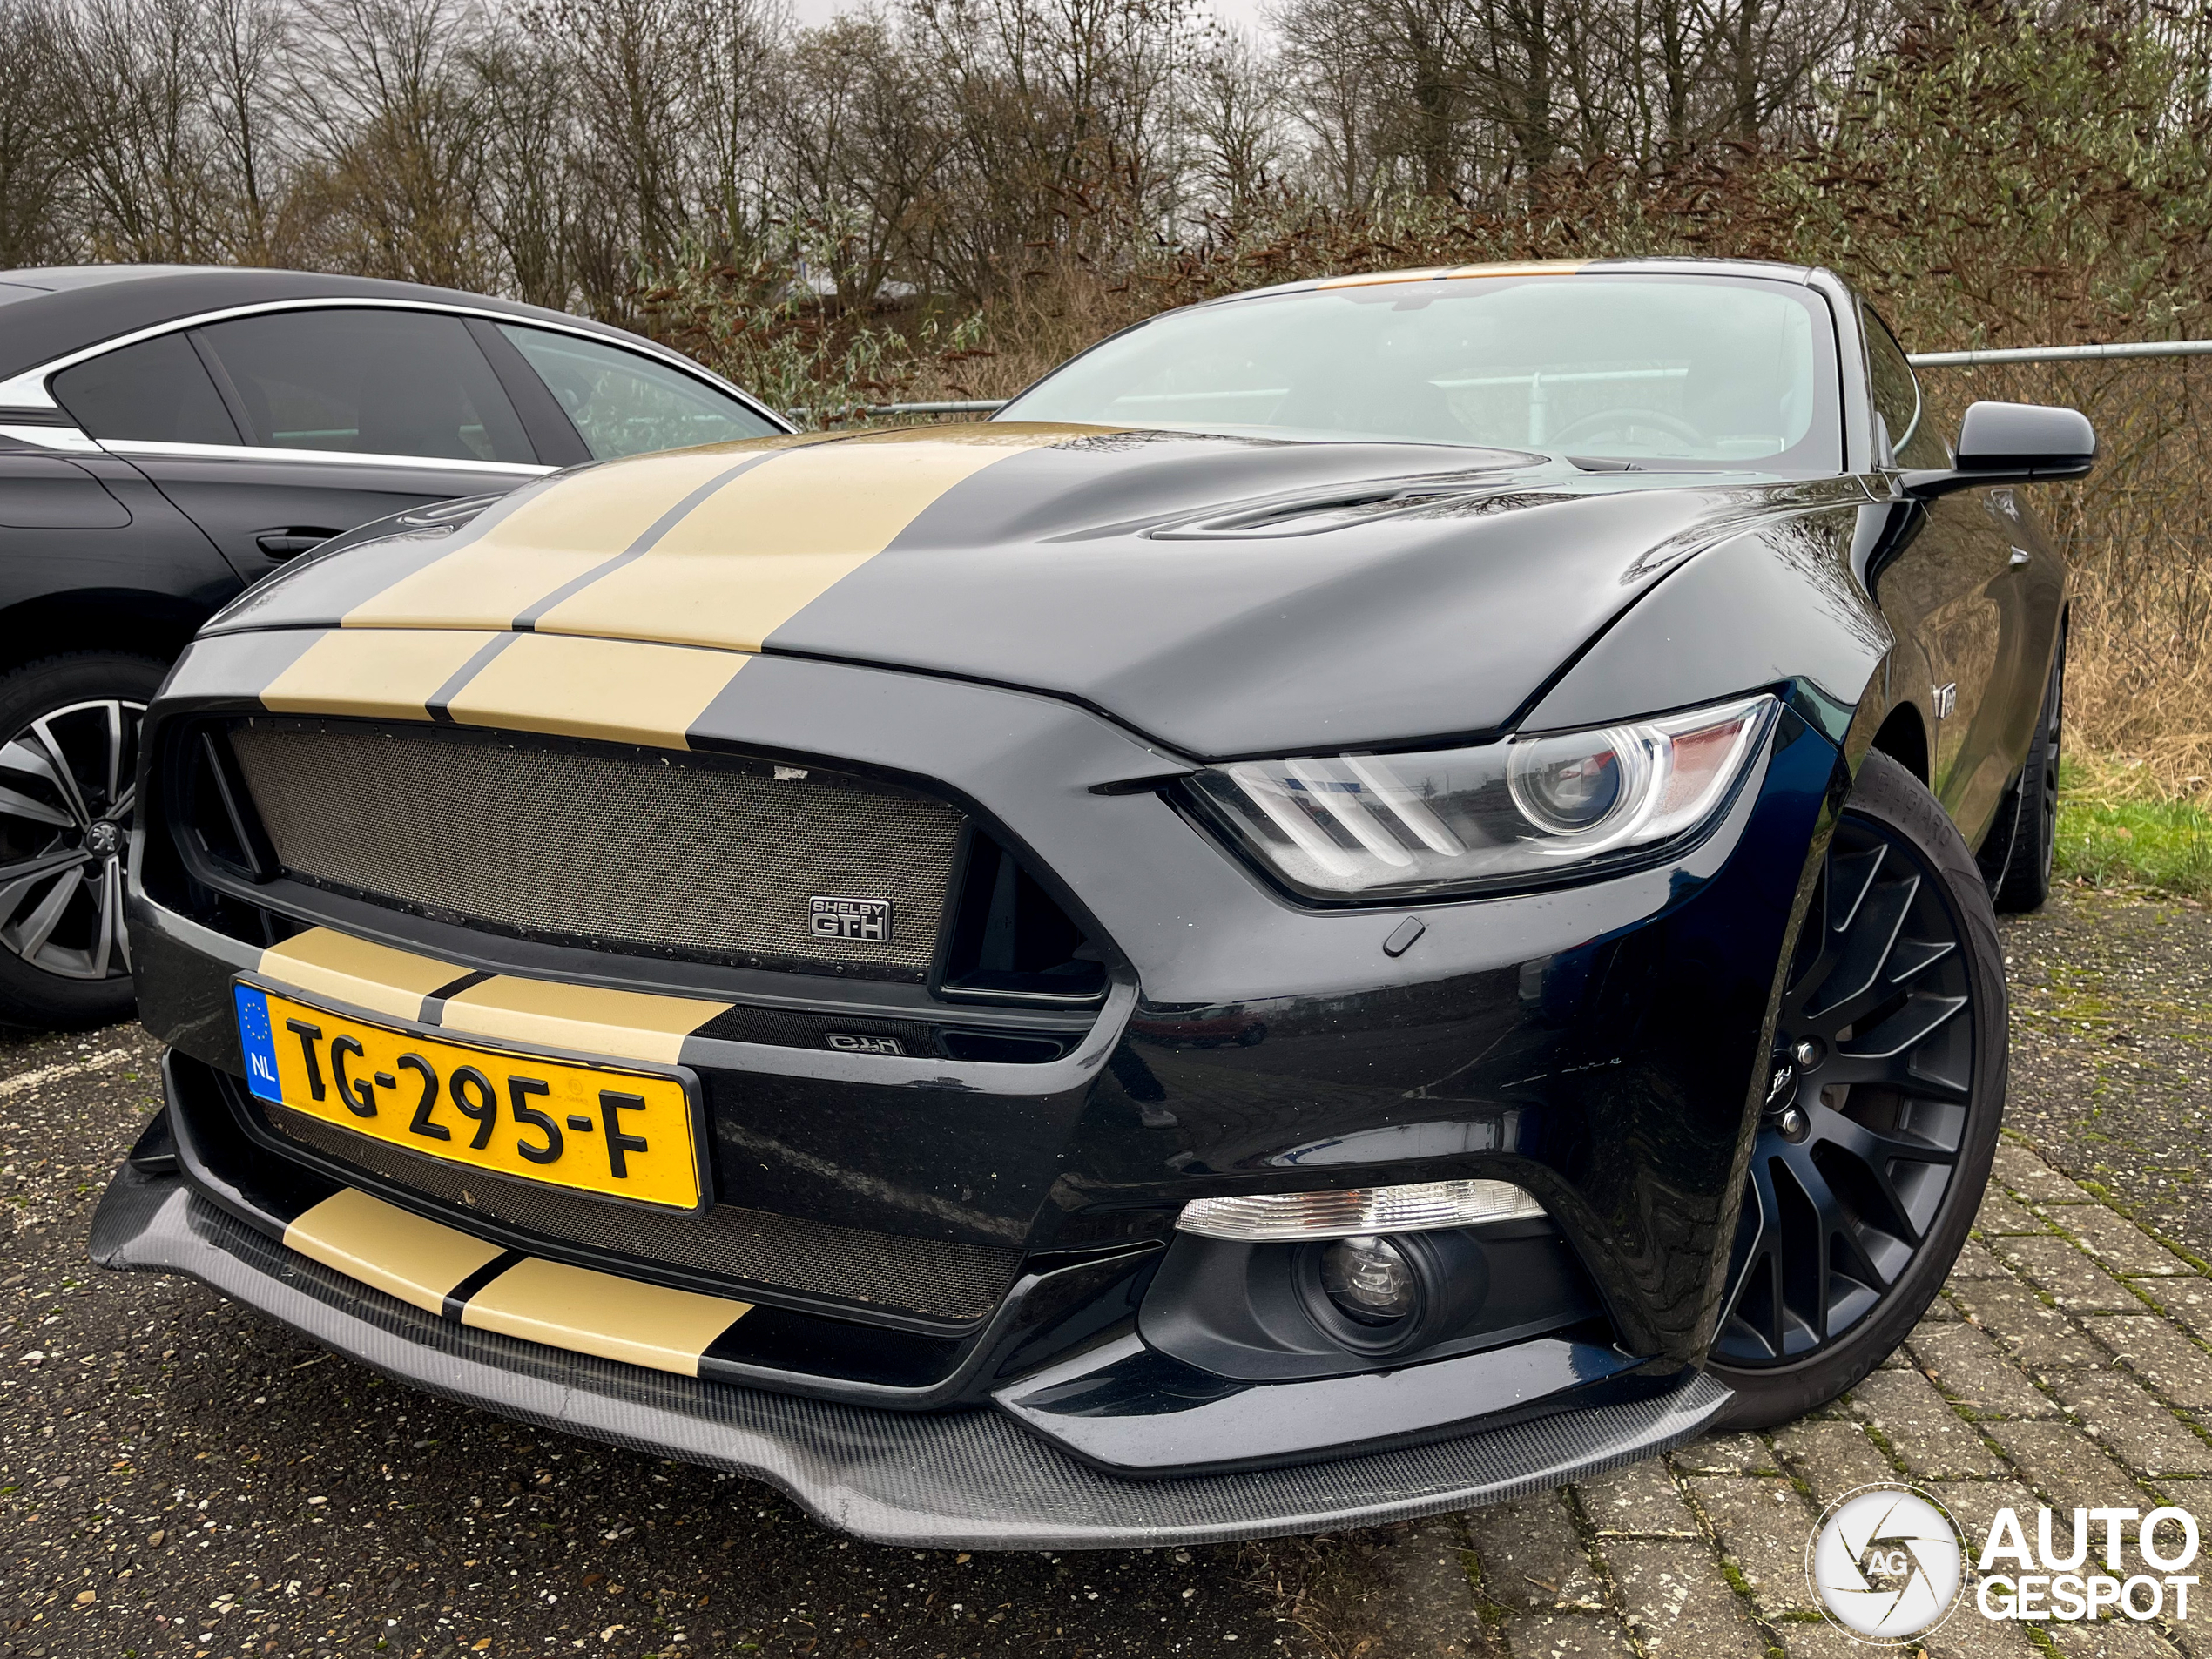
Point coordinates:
[(1379, 826)]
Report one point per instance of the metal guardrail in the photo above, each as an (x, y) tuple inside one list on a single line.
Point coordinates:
[(2059, 354), (973, 405), (1918, 360)]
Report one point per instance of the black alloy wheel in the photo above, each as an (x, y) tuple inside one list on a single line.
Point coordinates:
[(1887, 1087), (68, 788)]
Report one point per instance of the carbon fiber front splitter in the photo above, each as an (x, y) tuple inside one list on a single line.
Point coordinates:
[(970, 1480)]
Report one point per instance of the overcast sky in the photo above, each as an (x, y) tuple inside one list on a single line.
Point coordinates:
[(1243, 14)]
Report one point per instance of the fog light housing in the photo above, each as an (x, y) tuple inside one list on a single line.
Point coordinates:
[(1369, 1279)]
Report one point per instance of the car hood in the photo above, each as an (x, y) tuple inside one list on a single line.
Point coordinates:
[(1224, 597)]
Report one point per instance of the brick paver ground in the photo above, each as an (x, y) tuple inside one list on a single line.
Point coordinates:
[(2061, 1365)]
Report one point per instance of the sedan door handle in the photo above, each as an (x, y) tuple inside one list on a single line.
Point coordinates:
[(2020, 555), (291, 542)]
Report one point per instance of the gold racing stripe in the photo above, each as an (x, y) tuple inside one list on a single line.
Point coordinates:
[(376, 977), (565, 531), (617, 1319), (378, 674), (401, 1253), (615, 690), (581, 1019), (752, 555)]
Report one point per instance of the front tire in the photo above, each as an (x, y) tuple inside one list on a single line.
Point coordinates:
[(69, 760), (1872, 1155)]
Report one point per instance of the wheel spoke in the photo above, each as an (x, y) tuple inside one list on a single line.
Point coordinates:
[(1753, 1325), (114, 750), (1873, 1154), (1872, 1147), (1920, 1018), (64, 779), (39, 925), (1858, 979), (110, 903), (16, 880), (1851, 878), (119, 921), (13, 805), (19, 756)]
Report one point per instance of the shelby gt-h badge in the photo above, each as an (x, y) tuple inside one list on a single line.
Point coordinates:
[(1364, 901)]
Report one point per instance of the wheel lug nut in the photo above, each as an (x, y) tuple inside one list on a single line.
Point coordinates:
[(1808, 1051), (1793, 1124)]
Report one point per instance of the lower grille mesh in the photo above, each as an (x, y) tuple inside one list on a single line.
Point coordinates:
[(929, 1276), (609, 848)]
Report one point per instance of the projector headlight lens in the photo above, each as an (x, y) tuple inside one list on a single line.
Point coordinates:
[(1385, 826)]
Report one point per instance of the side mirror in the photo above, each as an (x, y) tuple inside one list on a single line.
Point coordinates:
[(2003, 444)]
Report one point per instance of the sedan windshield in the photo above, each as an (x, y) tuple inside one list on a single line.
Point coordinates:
[(1707, 371)]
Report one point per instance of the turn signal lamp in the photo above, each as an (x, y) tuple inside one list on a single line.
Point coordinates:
[(1420, 1206)]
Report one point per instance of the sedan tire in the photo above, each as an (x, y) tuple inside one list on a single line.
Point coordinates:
[(69, 757), (1888, 1086)]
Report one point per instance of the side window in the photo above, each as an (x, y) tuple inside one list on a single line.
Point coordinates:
[(156, 391), (624, 403), (368, 382), (1896, 399)]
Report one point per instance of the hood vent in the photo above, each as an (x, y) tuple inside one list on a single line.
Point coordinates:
[(1340, 509)]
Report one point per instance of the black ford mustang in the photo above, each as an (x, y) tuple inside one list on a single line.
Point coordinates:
[(1378, 894)]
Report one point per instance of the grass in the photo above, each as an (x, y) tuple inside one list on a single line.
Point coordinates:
[(2119, 827)]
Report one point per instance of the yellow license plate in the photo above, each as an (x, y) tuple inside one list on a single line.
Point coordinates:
[(609, 1129)]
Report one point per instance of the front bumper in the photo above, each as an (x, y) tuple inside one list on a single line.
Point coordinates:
[(971, 1479), (1602, 1047)]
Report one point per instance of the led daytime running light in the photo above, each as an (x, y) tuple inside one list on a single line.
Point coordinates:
[(1421, 1206)]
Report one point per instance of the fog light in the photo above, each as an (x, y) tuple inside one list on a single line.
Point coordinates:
[(1370, 1279)]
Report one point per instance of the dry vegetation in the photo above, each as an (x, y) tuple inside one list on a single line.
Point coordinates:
[(942, 197)]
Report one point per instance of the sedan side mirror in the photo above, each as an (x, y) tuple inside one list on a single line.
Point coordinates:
[(2003, 444)]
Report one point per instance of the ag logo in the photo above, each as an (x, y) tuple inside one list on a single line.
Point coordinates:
[(1885, 1563)]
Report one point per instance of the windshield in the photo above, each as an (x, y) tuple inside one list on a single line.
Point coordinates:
[(1709, 371)]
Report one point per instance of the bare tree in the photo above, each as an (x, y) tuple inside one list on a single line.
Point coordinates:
[(34, 137), (241, 48), (396, 139)]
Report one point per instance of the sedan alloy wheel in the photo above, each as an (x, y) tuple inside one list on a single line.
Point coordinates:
[(66, 797)]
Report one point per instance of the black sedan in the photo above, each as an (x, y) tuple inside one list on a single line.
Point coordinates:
[(1379, 893), (168, 436)]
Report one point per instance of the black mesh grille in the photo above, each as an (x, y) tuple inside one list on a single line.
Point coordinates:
[(609, 848), (930, 1276)]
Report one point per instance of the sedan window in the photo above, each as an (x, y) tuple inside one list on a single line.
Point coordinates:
[(625, 404), (1712, 373), (156, 391), (369, 383)]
